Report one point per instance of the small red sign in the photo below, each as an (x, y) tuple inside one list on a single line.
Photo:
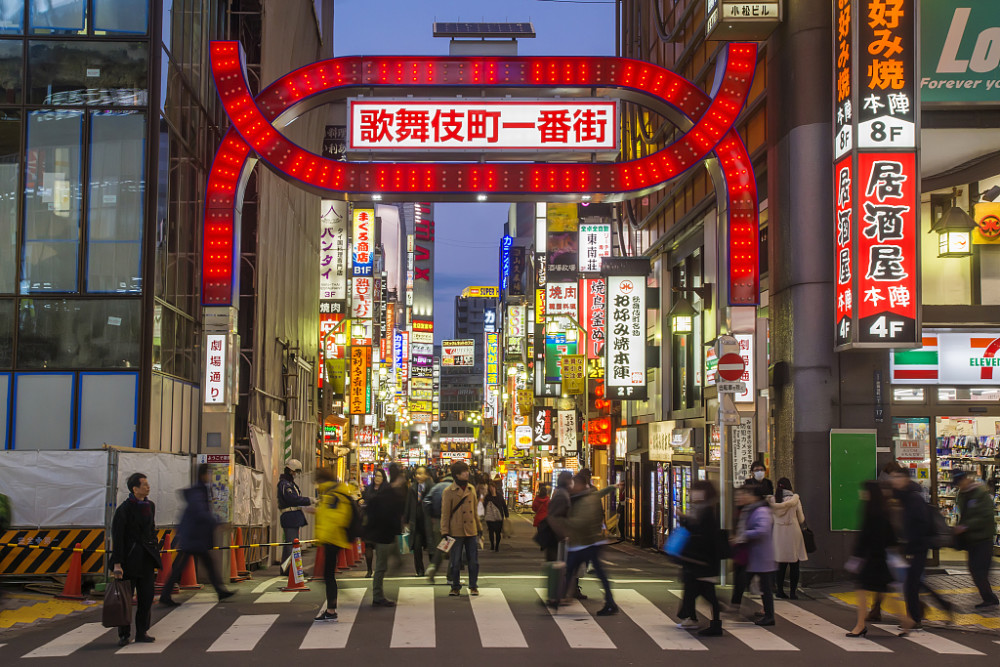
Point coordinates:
[(731, 367)]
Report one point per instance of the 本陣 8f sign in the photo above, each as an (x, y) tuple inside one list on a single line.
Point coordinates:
[(477, 125)]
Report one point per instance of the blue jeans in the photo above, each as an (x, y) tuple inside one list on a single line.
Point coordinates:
[(471, 547)]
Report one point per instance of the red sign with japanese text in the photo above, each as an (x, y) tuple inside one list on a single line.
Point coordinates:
[(483, 125), (843, 232), (887, 247), (593, 315)]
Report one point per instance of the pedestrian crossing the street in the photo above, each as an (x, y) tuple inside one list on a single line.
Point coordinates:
[(504, 618)]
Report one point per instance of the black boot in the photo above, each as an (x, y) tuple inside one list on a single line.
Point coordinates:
[(714, 629)]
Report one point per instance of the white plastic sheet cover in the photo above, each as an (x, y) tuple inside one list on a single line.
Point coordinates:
[(50, 489), (168, 475), (242, 492), (260, 511)]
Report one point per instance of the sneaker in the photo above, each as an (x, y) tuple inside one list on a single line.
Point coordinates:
[(383, 603), (455, 592), (608, 610), (327, 615), (765, 620), (145, 639), (687, 623), (431, 571), (123, 641), (473, 591)]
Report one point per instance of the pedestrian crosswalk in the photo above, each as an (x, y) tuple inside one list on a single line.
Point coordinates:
[(504, 618)]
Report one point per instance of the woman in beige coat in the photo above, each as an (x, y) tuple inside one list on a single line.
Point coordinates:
[(789, 547)]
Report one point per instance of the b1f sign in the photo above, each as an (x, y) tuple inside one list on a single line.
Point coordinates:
[(589, 125)]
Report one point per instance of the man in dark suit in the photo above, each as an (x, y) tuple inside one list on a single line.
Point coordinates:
[(196, 537), (135, 554)]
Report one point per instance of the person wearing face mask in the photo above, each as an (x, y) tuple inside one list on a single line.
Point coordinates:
[(290, 503), (758, 476), (701, 557)]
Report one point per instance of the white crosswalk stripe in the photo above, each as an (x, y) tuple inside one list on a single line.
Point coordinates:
[(824, 629), (174, 624), (933, 642), (754, 636), (577, 625), (335, 635), (267, 583), (495, 620), (69, 642), (276, 597), (413, 626), (660, 627), (244, 633)]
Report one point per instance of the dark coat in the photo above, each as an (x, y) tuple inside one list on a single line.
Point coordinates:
[(766, 485), (875, 537), (916, 519), (702, 554), (290, 496), (384, 515), (415, 511), (133, 540), (196, 532)]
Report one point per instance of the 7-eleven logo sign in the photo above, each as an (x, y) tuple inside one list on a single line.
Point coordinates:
[(987, 360)]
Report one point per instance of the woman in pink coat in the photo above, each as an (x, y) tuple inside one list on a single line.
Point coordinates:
[(789, 547)]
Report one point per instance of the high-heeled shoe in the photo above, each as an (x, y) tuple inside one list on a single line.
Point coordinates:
[(858, 634)]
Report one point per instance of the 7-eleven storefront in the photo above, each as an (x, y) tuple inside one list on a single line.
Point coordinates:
[(946, 409)]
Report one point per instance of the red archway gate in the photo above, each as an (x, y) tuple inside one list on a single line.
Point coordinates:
[(256, 123)]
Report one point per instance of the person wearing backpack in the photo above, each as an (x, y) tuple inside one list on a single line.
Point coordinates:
[(917, 531), (335, 510), (432, 503), (976, 529)]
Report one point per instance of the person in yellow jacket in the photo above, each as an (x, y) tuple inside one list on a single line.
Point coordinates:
[(333, 515)]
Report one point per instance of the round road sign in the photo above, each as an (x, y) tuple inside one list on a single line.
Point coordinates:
[(731, 367)]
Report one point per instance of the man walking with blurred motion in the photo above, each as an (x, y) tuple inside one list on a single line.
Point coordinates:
[(415, 517), (196, 537), (975, 531), (290, 504), (432, 503), (460, 520), (135, 554)]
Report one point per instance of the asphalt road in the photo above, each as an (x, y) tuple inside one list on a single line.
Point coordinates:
[(261, 625)]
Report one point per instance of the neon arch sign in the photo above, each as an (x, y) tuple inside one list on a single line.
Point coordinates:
[(257, 121)]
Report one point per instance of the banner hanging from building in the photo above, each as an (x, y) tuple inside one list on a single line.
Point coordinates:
[(493, 359), (333, 251), (877, 182), (595, 244), (363, 241), (458, 352), (542, 427), (625, 351), (360, 402), (566, 433), (574, 374)]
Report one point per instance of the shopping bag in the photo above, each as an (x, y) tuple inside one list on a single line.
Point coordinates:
[(117, 608), (854, 564), (554, 573), (404, 543), (676, 541), (508, 529), (446, 544), (897, 566)]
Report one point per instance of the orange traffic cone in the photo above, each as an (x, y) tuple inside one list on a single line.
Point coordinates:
[(168, 565), (189, 578), (234, 570), (341, 560), (351, 560), (241, 559), (72, 588), (295, 586), (319, 563)]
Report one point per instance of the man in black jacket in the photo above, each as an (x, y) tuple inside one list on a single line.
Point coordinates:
[(384, 523), (290, 504), (135, 554), (196, 537), (415, 517)]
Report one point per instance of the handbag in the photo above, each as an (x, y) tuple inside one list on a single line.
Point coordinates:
[(404, 544), (676, 541), (117, 610), (507, 529), (741, 554), (808, 538)]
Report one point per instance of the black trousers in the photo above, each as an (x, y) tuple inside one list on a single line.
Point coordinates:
[(693, 587), (740, 582), (178, 571), (793, 582), (980, 560), (911, 587), (145, 589), (330, 552), (496, 533), (418, 542)]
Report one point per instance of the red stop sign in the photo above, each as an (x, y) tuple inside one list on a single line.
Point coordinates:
[(731, 367)]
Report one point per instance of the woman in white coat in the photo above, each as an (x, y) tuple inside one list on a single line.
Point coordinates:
[(789, 547)]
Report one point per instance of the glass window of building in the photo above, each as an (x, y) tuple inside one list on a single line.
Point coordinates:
[(11, 70), (121, 16), (6, 337), (79, 333), (10, 161), (58, 17), (86, 73), (115, 211), (11, 17), (52, 200)]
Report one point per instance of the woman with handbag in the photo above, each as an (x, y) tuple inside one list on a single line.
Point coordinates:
[(789, 546), (496, 511), (869, 563), (700, 557), (755, 534)]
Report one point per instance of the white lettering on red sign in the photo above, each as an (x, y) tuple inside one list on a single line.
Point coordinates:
[(530, 125)]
